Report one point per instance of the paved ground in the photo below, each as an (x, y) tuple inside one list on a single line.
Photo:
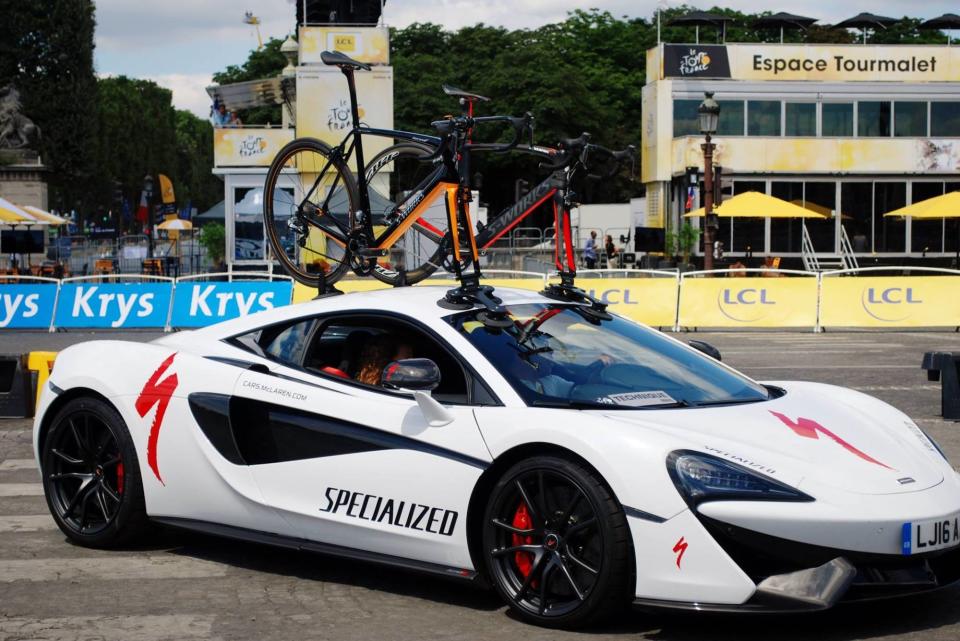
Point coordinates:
[(186, 586)]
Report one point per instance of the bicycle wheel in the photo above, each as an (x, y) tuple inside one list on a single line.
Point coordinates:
[(309, 203), (391, 177)]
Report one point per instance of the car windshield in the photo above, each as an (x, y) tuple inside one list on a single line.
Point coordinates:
[(556, 355)]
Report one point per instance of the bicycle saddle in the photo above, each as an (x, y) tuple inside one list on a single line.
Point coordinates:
[(466, 95), (337, 59)]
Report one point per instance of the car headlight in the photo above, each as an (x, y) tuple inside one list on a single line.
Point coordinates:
[(701, 477)]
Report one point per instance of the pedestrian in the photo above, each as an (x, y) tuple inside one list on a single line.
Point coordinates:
[(219, 115), (590, 251), (611, 250)]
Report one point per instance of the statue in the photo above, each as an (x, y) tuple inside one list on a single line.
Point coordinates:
[(16, 130)]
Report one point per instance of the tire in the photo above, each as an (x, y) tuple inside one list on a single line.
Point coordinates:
[(323, 248), (91, 475), (567, 569), (418, 251)]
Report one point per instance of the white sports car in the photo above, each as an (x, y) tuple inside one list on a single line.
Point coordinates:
[(574, 460)]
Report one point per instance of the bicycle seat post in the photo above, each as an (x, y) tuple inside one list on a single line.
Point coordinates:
[(348, 71)]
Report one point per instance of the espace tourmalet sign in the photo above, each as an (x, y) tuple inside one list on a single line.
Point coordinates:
[(904, 63)]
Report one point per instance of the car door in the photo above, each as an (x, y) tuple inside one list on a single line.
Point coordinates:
[(357, 466)]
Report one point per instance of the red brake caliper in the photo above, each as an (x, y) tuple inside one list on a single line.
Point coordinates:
[(120, 477), (521, 520)]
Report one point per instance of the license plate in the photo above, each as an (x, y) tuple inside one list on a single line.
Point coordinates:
[(931, 535)]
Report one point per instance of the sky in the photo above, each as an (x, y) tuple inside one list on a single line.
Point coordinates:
[(181, 43)]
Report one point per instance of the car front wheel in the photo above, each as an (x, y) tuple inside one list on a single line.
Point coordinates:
[(556, 543)]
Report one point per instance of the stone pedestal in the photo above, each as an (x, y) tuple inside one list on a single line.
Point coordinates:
[(23, 178)]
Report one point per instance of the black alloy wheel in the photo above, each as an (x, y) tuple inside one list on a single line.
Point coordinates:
[(557, 544), (91, 476)]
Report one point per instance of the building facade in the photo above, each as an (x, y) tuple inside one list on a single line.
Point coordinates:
[(849, 131)]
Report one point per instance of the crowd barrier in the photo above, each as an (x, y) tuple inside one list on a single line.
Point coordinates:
[(927, 297)]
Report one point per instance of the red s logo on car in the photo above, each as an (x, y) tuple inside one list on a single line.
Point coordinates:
[(154, 393), (809, 428)]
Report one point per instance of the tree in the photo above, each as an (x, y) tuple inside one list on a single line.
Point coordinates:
[(46, 50)]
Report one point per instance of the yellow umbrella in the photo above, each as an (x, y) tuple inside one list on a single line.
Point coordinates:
[(10, 213), (44, 216), (944, 206), (753, 204), (178, 224)]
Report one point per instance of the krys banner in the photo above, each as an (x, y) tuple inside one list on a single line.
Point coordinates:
[(199, 304), (748, 302), (114, 304), (895, 301), (27, 306)]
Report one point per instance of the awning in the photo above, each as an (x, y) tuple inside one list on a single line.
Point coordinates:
[(944, 206)]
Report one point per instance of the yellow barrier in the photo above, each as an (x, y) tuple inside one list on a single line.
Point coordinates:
[(890, 301), (302, 293), (652, 301), (748, 302), (42, 363)]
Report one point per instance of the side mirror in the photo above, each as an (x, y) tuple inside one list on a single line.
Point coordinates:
[(706, 348), (413, 374)]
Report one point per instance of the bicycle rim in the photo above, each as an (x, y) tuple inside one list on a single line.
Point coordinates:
[(392, 176), (310, 204)]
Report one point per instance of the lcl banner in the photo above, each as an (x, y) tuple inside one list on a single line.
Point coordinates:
[(28, 306), (652, 301), (890, 301), (748, 302), (197, 304), (89, 304)]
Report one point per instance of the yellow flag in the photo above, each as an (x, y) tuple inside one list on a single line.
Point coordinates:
[(166, 190)]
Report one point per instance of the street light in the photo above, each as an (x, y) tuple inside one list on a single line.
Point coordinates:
[(709, 112)]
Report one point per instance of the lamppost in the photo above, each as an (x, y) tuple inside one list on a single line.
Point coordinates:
[(148, 192), (709, 112)]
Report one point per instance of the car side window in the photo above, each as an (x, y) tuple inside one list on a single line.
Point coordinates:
[(358, 348), (285, 342)]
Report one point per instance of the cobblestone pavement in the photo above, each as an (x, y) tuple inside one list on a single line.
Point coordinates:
[(188, 586)]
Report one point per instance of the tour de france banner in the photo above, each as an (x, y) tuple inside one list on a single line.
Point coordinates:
[(248, 147), (894, 301), (902, 63), (366, 44), (197, 304), (748, 302), (27, 306), (114, 305), (323, 102)]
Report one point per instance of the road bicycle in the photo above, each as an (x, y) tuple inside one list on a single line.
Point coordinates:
[(340, 218)]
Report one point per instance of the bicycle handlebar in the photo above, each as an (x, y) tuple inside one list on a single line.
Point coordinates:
[(521, 125), (619, 157)]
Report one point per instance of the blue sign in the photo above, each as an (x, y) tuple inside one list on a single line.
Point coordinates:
[(197, 304), (27, 306), (114, 304)]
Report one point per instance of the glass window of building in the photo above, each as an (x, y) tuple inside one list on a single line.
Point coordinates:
[(889, 234), (800, 119), (785, 233), (873, 118), (821, 197), (856, 210), (926, 235), (763, 118), (910, 119), (731, 118), (685, 119), (951, 227), (945, 118), (748, 233), (837, 119)]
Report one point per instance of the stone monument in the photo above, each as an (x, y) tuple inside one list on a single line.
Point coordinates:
[(22, 174)]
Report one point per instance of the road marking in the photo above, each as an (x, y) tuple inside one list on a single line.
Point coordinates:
[(32, 523), (18, 464), (110, 628), (25, 436), (109, 568), (21, 489)]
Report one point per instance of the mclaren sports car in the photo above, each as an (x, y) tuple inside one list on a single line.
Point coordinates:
[(570, 459)]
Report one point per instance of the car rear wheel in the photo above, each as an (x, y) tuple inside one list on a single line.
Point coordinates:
[(556, 543), (91, 476)]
